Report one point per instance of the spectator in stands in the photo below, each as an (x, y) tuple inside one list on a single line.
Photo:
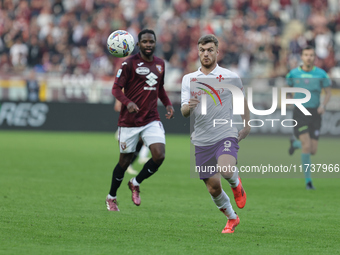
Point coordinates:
[(19, 52), (34, 52)]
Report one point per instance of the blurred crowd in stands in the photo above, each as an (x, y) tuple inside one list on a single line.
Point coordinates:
[(258, 38)]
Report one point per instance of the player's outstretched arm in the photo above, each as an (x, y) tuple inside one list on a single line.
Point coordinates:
[(246, 130)]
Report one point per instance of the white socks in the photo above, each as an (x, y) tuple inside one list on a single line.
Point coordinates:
[(134, 182), (222, 201), (233, 181), (110, 197)]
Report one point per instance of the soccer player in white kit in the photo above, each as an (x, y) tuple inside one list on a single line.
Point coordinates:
[(216, 145)]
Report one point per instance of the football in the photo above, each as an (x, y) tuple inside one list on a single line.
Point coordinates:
[(120, 43)]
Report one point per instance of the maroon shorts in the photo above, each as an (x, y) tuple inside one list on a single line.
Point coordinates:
[(207, 156)]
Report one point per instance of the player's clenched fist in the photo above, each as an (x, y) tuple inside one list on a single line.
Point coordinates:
[(132, 107), (193, 102), (170, 112)]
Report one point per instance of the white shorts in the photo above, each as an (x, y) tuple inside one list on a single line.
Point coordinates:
[(128, 137)]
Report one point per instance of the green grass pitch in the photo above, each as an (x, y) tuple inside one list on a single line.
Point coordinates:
[(53, 187)]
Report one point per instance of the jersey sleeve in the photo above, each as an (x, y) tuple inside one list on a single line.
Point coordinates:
[(239, 84), (163, 96), (289, 79), (185, 91), (120, 82), (242, 88), (123, 74), (119, 95), (162, 93)]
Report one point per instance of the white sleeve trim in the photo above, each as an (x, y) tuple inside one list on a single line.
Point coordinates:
[(185, 92)]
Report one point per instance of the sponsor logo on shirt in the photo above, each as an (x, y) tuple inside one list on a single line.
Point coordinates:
[(151, 81), (142, 70), (124, 63), (202, 92), (140, 64), (212, 89)]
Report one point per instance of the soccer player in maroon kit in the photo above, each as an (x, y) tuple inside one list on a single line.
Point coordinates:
[(142, 77)]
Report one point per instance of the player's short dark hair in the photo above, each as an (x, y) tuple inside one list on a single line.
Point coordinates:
[(208, 39), (146, 31), (308, 47)]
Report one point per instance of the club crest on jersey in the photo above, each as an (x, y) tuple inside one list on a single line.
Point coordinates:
[(142, 70), (159, 68), (123, 145), (220, 78)]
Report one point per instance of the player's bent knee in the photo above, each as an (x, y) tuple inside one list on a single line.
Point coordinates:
[(124, 164), (306, 149), (227, 175), (214, 190), (159, 159), (158, 156), (125, 161)]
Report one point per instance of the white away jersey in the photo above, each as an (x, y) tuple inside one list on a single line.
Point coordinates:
[(216, 92)]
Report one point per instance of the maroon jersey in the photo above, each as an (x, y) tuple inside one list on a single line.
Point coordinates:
[(143, 84)]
